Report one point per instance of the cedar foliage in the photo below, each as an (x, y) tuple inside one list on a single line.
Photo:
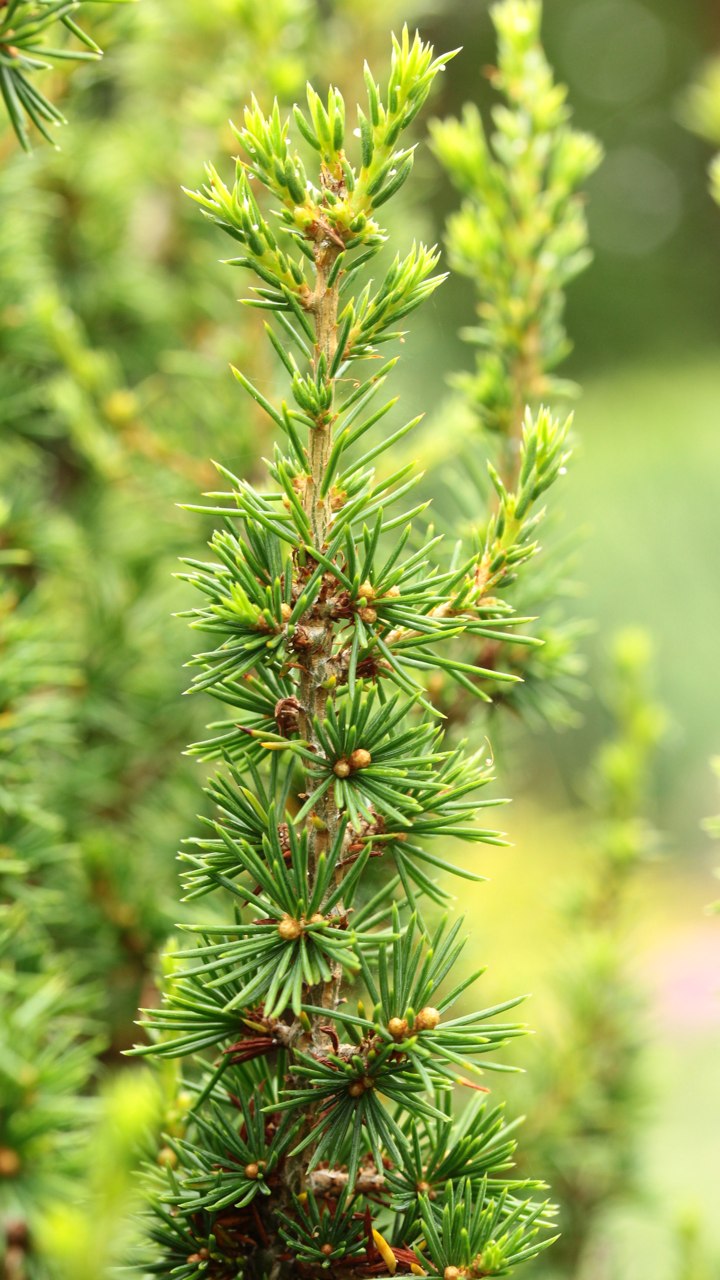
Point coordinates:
[(322, 1132)]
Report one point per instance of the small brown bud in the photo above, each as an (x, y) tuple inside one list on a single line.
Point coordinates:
[(289, 929), (252, 1171), (201, 1256), (392, 593), (357, 1089), (367, 590), (167, 1158), (326, 1249), (342, 768), (360, 758), (368, 614), (9, 1162), (427, 1019), (398, 1028), (285, 612), (423, 1188), (318, 918), (451, 1273)]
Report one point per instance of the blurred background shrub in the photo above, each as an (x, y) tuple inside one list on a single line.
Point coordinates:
[(115, 338)]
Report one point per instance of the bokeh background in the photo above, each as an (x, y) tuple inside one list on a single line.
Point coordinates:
[(117, 325)]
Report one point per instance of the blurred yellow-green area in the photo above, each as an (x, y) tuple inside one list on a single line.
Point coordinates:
[(117, 325)]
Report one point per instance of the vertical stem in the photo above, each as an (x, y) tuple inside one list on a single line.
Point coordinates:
[(318, 628), (313, 683), (325, 307)]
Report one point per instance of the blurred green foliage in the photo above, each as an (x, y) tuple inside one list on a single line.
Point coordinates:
[(587, 1092)]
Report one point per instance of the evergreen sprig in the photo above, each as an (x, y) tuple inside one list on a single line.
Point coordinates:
[(521, 236), (322, 612), (478, 1235), (31, 39)]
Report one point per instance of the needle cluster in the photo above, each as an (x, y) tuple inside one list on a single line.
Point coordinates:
[(33, 36)]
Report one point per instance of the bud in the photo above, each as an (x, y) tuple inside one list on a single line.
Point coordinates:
[(398, 1028), (289, 929), (252, 1171), (342, 769), (427, 1019), (360, 758)]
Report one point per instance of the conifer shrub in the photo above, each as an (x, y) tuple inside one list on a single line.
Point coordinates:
[(313, 1007)]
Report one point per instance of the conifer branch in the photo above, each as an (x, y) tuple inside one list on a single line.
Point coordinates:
[(306, 1112), (520, 235), (25, 26)]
